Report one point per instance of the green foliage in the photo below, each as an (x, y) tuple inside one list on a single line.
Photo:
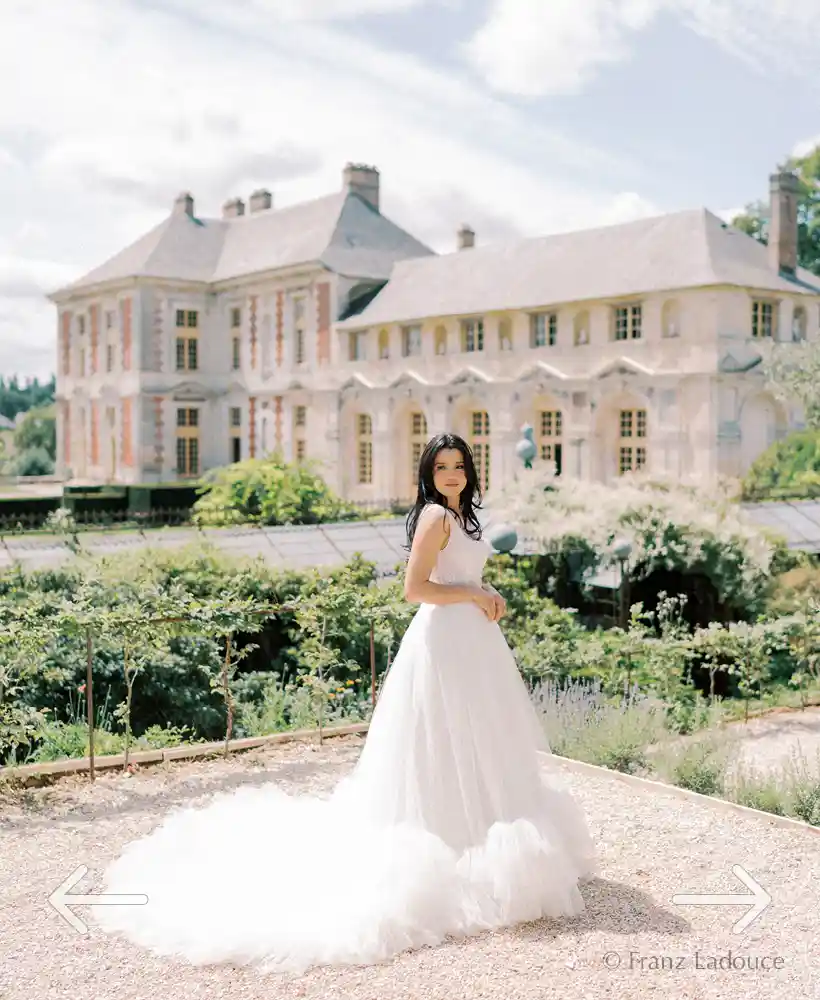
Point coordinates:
[(32, 462), (788, 469), (17, 398), (268, 491), (697, 764), (37, 430), (754, 220), (252, 649)]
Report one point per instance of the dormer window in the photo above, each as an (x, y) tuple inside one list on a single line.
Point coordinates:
[(764, 316), (628, 321)]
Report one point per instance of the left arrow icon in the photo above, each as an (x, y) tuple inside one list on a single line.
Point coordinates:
[(62, 898)]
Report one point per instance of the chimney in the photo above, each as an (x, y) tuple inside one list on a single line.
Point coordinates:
[(184, 204), (362, 180), (260, 200), (785, 188), (233, 209), (465, 237)]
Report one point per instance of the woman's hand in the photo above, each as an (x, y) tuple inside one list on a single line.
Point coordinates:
[(500, 605), (486, 602)]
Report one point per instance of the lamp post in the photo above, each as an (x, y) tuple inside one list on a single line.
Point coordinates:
[(504, 537), (622, 550)]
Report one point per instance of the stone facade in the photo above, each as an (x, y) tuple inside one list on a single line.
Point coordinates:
[(161, 379)]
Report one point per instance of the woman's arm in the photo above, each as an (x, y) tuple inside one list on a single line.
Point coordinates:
[(432, 534)]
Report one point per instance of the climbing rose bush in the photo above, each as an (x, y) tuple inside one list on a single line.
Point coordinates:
[(669, 525)]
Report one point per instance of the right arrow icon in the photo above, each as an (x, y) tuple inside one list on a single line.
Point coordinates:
[(758, 899)]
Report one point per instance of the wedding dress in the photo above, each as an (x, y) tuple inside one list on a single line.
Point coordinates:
[(447, 826)]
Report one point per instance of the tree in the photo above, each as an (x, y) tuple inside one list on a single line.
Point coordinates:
[(754, 220), (788, 468), (37, 430), (792, 371), (16, 398)]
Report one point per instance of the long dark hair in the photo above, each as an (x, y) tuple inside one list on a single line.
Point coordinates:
[(470, 500)]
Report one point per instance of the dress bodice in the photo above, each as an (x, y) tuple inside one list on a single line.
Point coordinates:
[(462, 559)]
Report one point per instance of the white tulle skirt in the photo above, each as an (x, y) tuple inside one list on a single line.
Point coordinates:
[(449, 824)]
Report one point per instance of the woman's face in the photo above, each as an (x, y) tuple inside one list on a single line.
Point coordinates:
[(448, 473)]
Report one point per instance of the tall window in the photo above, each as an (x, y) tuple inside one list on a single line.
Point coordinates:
[(763, 319), (411, 341), (299, 355), (364, 448), (418, 439), (357, 345), (236, 433), (480, 443), (299, 433), (549, 438), (472, 335), (543, 329), (187, 441), (109, 357), (384, 345), (628, 321), (236, 338), (632, 441), (187, 323)]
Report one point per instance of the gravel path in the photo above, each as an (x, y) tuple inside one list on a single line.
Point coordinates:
[(770, 741), (653, 845)]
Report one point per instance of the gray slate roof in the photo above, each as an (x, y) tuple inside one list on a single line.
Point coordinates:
[(682, 250), (340, 231)]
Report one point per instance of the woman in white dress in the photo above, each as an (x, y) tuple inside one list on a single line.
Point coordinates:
[(447, 826)]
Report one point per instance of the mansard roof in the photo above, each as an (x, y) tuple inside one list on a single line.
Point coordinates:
[(689, 249)]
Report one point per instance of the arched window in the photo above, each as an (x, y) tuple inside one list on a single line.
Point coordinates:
[(364, 448), (505, 335), (799, 324), (580, 328), (480, 444), (670, 319)]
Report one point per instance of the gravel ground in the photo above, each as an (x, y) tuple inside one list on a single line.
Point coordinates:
[(631, 942), (770, 741)]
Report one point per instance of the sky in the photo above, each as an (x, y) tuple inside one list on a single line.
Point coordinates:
[(517, 117)]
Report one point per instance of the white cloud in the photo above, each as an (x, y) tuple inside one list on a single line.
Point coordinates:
[(531, 47), (220, 99), (319, 10), (806, 146), (534, 47)]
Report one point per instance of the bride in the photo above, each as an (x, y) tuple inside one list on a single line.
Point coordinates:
[(447, 826)]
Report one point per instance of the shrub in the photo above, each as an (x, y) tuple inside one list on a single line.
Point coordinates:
[(583, 723), (670, 526), (789, 468), (32, 462), (268, 491), (698, 764)]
